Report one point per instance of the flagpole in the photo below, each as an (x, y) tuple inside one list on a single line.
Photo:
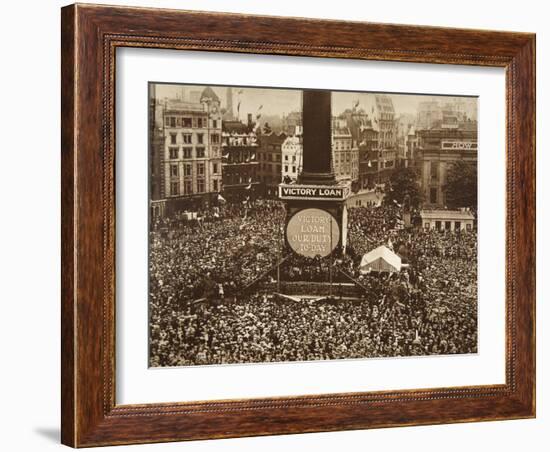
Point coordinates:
[(330, 262)]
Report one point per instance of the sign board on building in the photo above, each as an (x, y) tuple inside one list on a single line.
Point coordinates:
[(313, 232), (459, 145), (313, 192)]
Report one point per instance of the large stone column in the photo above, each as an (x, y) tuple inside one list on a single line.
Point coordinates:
[(316, 212), (317, 138)]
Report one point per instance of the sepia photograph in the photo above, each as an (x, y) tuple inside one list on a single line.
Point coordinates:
[(292, 225)]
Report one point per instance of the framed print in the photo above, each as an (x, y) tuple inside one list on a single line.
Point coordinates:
[(281, 225)]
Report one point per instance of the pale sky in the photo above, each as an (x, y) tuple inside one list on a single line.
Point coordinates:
[(278, 101)]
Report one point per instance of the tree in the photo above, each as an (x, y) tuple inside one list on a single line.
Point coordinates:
[(461, 188), (403, 182)]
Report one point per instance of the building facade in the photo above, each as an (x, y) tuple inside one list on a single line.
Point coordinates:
[(269, 162), (409, 147), (369, 152), (385, 116), (345, 155), (191, 161), (240, 160), (447, 220), (156, 154), (437, 150), (292, 154)]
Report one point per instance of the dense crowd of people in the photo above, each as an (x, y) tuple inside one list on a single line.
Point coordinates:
[(205, 307)]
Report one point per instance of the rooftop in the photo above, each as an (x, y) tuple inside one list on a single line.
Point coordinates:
[(446, 214)]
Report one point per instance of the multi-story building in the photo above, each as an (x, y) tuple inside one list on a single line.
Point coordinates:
[(384, 115), (191, 161), (437, 149), (375, 136), (345, 155), (269, 162), (368, 155), (292, 152), (365, 138), (156, 154), (403, 124), (409, 147), (375, 129), (240, 160)]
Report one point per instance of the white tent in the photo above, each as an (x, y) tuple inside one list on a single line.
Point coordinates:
[(381, 259)]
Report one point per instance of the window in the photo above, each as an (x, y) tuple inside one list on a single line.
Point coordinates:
[(215, 138), (173, 153), (200, 186), (174, 188), (426, 225), (438, 225), (434, 167), (188, 187), (173, 170), (469, 226), (215, 184), (433, 195), (200, 153), (187, 153), (187, 138), (286, 168), (293, 169), (187, 170), (200, 138), (447, 225), (457, 225), (215, 168), (187, 122), (293, 159), (173, 138), (214, 123), (200, 169), (200, 123), (172, 121), (286, 158)]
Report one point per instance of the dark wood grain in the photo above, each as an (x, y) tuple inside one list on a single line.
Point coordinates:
[(67, 226), (90, 36)]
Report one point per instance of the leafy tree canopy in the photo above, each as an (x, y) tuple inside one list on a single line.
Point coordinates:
[(403, 188), (461, 188)]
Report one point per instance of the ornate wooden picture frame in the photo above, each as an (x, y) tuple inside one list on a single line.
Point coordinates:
[(90, 37)]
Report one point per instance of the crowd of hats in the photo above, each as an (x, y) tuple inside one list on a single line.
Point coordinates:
[(200, 312)]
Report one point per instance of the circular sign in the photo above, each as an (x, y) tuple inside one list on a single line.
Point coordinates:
[(313, 232)]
